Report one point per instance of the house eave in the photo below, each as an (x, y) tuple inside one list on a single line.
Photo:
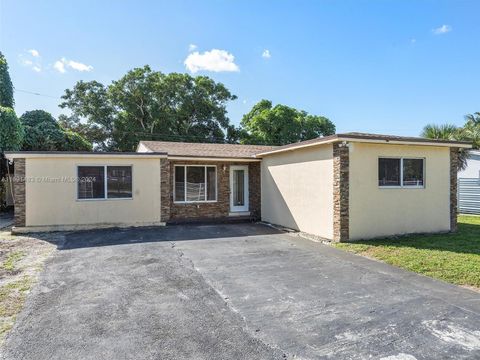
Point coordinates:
[(213, 158), (371, 141), (11, 155)]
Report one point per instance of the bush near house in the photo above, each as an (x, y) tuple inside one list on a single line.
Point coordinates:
[(450, 257)]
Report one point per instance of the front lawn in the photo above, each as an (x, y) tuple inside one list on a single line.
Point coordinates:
[(450, 257)]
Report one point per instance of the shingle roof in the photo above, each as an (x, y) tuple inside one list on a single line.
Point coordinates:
[(205, 150)]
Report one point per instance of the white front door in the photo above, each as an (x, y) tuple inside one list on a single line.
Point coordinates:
[(238, 188)]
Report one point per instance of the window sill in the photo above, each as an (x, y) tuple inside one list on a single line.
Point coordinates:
[(106, 199), (195, 202), (401, 187)]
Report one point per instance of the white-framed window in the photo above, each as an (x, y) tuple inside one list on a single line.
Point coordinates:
[(101, 182), (195, 183), (401, 172)]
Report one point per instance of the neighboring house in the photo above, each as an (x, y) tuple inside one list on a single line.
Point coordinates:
[(469, 185), (341, 187), (472, 171)]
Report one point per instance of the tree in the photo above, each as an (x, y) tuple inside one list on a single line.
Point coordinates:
[(442, 132), (75, 142), (11, 130), (281, 125), (471, 129), (6, 86), (43, 133), (448, 132), (149, 105)]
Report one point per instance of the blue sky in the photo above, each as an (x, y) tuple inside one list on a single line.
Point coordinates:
[(373, 66)]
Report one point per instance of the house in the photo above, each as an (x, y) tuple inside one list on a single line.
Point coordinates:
[(469, 185), (472, 171), (341, 187)]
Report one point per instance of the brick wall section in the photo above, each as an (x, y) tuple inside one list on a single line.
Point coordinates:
[(254, 188), (165, 190), (340, 192), (453, 188), (19, 192), (221, 208)]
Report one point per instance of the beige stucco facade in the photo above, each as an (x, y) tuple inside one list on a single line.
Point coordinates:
[(55, 204), (376, 211), (297, 190)]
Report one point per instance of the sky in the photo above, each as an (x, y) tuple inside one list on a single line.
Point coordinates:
[(383, 66)]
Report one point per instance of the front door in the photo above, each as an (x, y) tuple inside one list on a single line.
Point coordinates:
[(238, 188)]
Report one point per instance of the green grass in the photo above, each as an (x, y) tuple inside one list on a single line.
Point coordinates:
[(12, 297), (12, 259), (450, 257)]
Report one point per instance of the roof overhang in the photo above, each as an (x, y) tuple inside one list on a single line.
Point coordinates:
[(330, 140), (212, 158), (11, 155)]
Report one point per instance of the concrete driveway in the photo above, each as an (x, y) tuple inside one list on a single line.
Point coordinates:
[(240, 291)]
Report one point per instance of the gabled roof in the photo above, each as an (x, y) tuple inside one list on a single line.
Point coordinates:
[(368, 138), (186, 149)]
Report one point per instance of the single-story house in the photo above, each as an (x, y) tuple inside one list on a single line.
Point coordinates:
[(341, 187)]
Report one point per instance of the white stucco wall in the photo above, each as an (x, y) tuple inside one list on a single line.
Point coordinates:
[(56, 204), (297, 190), (376, 211)]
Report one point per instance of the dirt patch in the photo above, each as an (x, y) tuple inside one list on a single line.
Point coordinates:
[(21, 259)]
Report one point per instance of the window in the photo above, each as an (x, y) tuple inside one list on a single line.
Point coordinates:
[(119, 182), (91, 182), (104, 182), (401, 172), (195, 183)]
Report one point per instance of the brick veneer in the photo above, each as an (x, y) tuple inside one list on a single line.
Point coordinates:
[(453, 188), (19, 192), (340, 192), (220, 209), (164, 190)]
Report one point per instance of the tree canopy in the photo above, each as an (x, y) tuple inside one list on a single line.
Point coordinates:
[(6, 86), (11, 131), (43, 133), (149, 105), (280, 124), (470, 131)]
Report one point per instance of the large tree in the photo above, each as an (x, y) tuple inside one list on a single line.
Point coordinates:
[(43, 133), (6, 87), (280, 124), (149, 105)]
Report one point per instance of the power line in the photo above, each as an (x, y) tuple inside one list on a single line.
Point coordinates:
[(37, 94)]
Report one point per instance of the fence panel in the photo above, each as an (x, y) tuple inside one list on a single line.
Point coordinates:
[(469, 196)]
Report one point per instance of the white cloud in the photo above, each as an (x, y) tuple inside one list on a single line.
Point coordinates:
[(59, 66), (413, 40), (192, 47), (34, 52), (62, 65), (214, 60), (442, 30), (266, 54), (31, 60)]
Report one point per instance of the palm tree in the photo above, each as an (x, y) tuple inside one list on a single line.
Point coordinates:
[(451, 132), (471, 130)]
